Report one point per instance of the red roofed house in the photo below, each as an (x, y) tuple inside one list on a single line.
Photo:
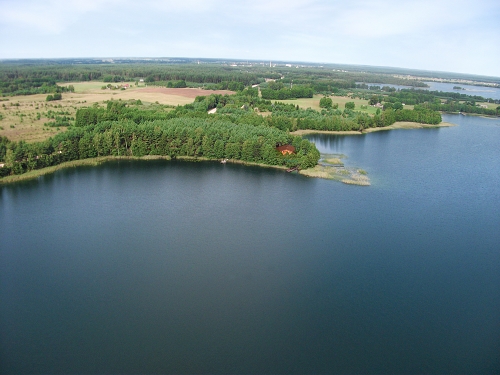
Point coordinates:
[(286, 149)]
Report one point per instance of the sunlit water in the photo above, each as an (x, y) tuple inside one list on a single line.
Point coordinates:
[(175, 267)]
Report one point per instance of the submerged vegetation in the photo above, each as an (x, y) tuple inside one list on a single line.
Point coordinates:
[(332, 167)]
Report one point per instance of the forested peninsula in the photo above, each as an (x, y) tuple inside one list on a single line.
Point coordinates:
[(237, 131), (247, 125)]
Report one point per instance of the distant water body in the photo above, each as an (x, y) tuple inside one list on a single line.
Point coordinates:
[(485, 92), (174, 267)]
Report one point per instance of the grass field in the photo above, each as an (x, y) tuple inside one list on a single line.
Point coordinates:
[(20, 121), (313, 103), (489, 105), (26, 117), (85, 87)]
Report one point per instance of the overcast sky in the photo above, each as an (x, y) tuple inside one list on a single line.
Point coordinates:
[(447, 35)]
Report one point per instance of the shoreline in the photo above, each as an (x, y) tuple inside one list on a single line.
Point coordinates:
[(396, 125), (93, 162), (312, 171), (231, 161)]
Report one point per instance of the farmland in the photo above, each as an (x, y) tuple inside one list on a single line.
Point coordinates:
[(31, 117)]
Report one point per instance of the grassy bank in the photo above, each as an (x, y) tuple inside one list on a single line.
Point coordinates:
[(71, 164), (97, 161), (409, 125), (311, 131), (347, 176), (231, 161), (396, 125), (331, 167)]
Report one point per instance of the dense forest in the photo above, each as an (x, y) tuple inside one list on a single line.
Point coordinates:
[(119, 130), (246, 107), (247, 126), (209, 138), (41, 77), (322, 77), (236, 131)]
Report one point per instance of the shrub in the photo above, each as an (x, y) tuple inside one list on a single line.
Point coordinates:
[(325, 102)]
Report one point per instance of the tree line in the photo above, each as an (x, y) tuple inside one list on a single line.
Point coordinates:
[(467, 107), (278, 91), (236, 131), (25, 79), (209, 137)]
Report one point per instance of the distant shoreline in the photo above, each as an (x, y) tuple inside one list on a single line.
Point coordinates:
[(396, 125)]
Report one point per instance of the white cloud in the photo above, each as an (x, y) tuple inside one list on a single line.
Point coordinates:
[(415, 34), (49, 17), (179, 5), (393, 18)]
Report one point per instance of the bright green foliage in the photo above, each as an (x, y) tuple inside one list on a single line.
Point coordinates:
[(198, 137), (278, 91), (455, 106), (326, 102), (236, 131)]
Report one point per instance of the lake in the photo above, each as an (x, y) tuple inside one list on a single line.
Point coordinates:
[(180, 267), (484, 91)]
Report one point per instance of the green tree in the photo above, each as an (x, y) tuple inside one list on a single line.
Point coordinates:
[(326, 102), (374, 100), (397, 105)]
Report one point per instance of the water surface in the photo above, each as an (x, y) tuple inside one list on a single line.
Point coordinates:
[(485, 91), (175, 267)]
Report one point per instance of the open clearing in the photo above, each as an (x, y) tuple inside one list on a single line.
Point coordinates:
[(313, 103), (27, 117), (187, 92)]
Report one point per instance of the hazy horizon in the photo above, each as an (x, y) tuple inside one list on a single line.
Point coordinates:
[(445, 36)]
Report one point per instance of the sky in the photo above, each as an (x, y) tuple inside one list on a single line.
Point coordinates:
[(459, 36)]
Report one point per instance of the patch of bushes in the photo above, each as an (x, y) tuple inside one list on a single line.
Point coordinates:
[(56, 96)]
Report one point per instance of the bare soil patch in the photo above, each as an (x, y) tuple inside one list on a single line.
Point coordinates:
[(186, 92)]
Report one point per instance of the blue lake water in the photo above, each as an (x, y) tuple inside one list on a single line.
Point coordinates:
[(485, 92), (175, 267), (397, 87)]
